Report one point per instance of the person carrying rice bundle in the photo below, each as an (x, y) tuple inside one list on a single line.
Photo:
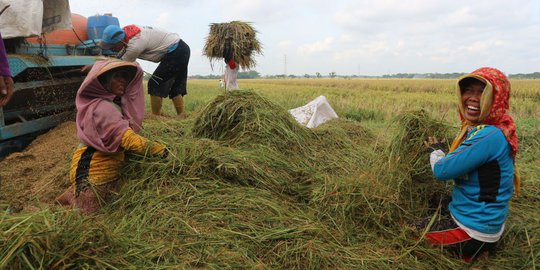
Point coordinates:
[(231, 69), (235, 42), (481, 162), (158, 46), (110, 110)]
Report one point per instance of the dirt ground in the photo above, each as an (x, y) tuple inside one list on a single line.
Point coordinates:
[(35, 177)]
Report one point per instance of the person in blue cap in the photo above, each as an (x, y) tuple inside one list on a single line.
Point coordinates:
[(158, 46)]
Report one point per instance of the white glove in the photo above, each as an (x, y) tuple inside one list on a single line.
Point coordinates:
[(435, 156)]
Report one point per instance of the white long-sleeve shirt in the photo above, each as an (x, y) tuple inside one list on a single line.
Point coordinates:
[(231, 78), (150, 44)]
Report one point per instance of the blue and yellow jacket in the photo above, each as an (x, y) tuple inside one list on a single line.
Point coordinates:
[(483, 170)]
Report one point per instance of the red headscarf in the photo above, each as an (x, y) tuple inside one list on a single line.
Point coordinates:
[(498, 116), (131, 31), (99, 123)]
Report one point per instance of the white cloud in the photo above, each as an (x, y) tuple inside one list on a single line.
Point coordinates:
[(285, 44), (355, 36), (378, 49), (163, 20), (400, 45), (347, 38), (483, 47), (443, 55), (316, 47), (261, 11)]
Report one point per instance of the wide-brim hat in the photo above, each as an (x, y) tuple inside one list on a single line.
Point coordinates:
[(131, 67)]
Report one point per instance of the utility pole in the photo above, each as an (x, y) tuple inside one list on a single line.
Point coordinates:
[(285, 65)]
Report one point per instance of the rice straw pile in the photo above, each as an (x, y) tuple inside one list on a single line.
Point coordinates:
[(242, 38), (245, 187), (419, 187), (413, 129), (241, 117)]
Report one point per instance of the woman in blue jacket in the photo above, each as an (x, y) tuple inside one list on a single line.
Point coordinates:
[(481, 163)]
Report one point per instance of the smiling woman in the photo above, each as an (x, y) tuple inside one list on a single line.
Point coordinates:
[(471, 94), (481, 163)]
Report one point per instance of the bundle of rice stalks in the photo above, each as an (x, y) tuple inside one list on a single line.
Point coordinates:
[(244, 117), (411, 159), (408, 143), (238, 36), (221, 225), (66, 240), (341, 147), (258, 166), (349, 129), (357, 202)]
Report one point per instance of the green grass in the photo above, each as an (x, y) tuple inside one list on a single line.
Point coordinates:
[(245, 187)]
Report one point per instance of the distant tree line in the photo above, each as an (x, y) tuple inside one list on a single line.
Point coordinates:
[(252, 74), (425, 75), (535, 75), (208, 77)]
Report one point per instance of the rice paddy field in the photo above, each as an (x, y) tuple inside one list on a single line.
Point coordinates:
[(246, 187)]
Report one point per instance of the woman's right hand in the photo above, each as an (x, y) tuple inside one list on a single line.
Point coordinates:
[(86, 69), (6, 90)]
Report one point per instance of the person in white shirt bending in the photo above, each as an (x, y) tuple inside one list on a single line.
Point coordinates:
[(159, 46)]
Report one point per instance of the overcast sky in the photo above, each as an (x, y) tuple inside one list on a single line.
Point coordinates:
[(352, 37)]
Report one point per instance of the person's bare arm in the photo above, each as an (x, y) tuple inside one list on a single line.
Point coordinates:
[(6, 90)]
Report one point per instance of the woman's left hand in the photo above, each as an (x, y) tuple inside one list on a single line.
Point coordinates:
[(433, 144)]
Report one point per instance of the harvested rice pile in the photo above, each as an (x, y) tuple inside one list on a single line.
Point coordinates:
[(238, 36), (245, 187), (33, 178), (407, 145), (244, 117), (419, 188)]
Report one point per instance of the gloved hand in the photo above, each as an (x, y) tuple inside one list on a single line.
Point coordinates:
[(433, 144), (435, 156)]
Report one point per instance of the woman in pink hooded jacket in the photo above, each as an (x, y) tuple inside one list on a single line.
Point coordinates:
[(110, 110)]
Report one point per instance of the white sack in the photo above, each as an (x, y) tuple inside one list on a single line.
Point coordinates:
[(22, 18), (33, 17), (56, 15), (314, 113)]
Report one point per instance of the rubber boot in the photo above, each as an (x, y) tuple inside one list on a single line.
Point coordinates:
[(155, 103), (178, 102)]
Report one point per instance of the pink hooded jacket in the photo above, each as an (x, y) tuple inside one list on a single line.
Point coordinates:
[(99, 122)]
